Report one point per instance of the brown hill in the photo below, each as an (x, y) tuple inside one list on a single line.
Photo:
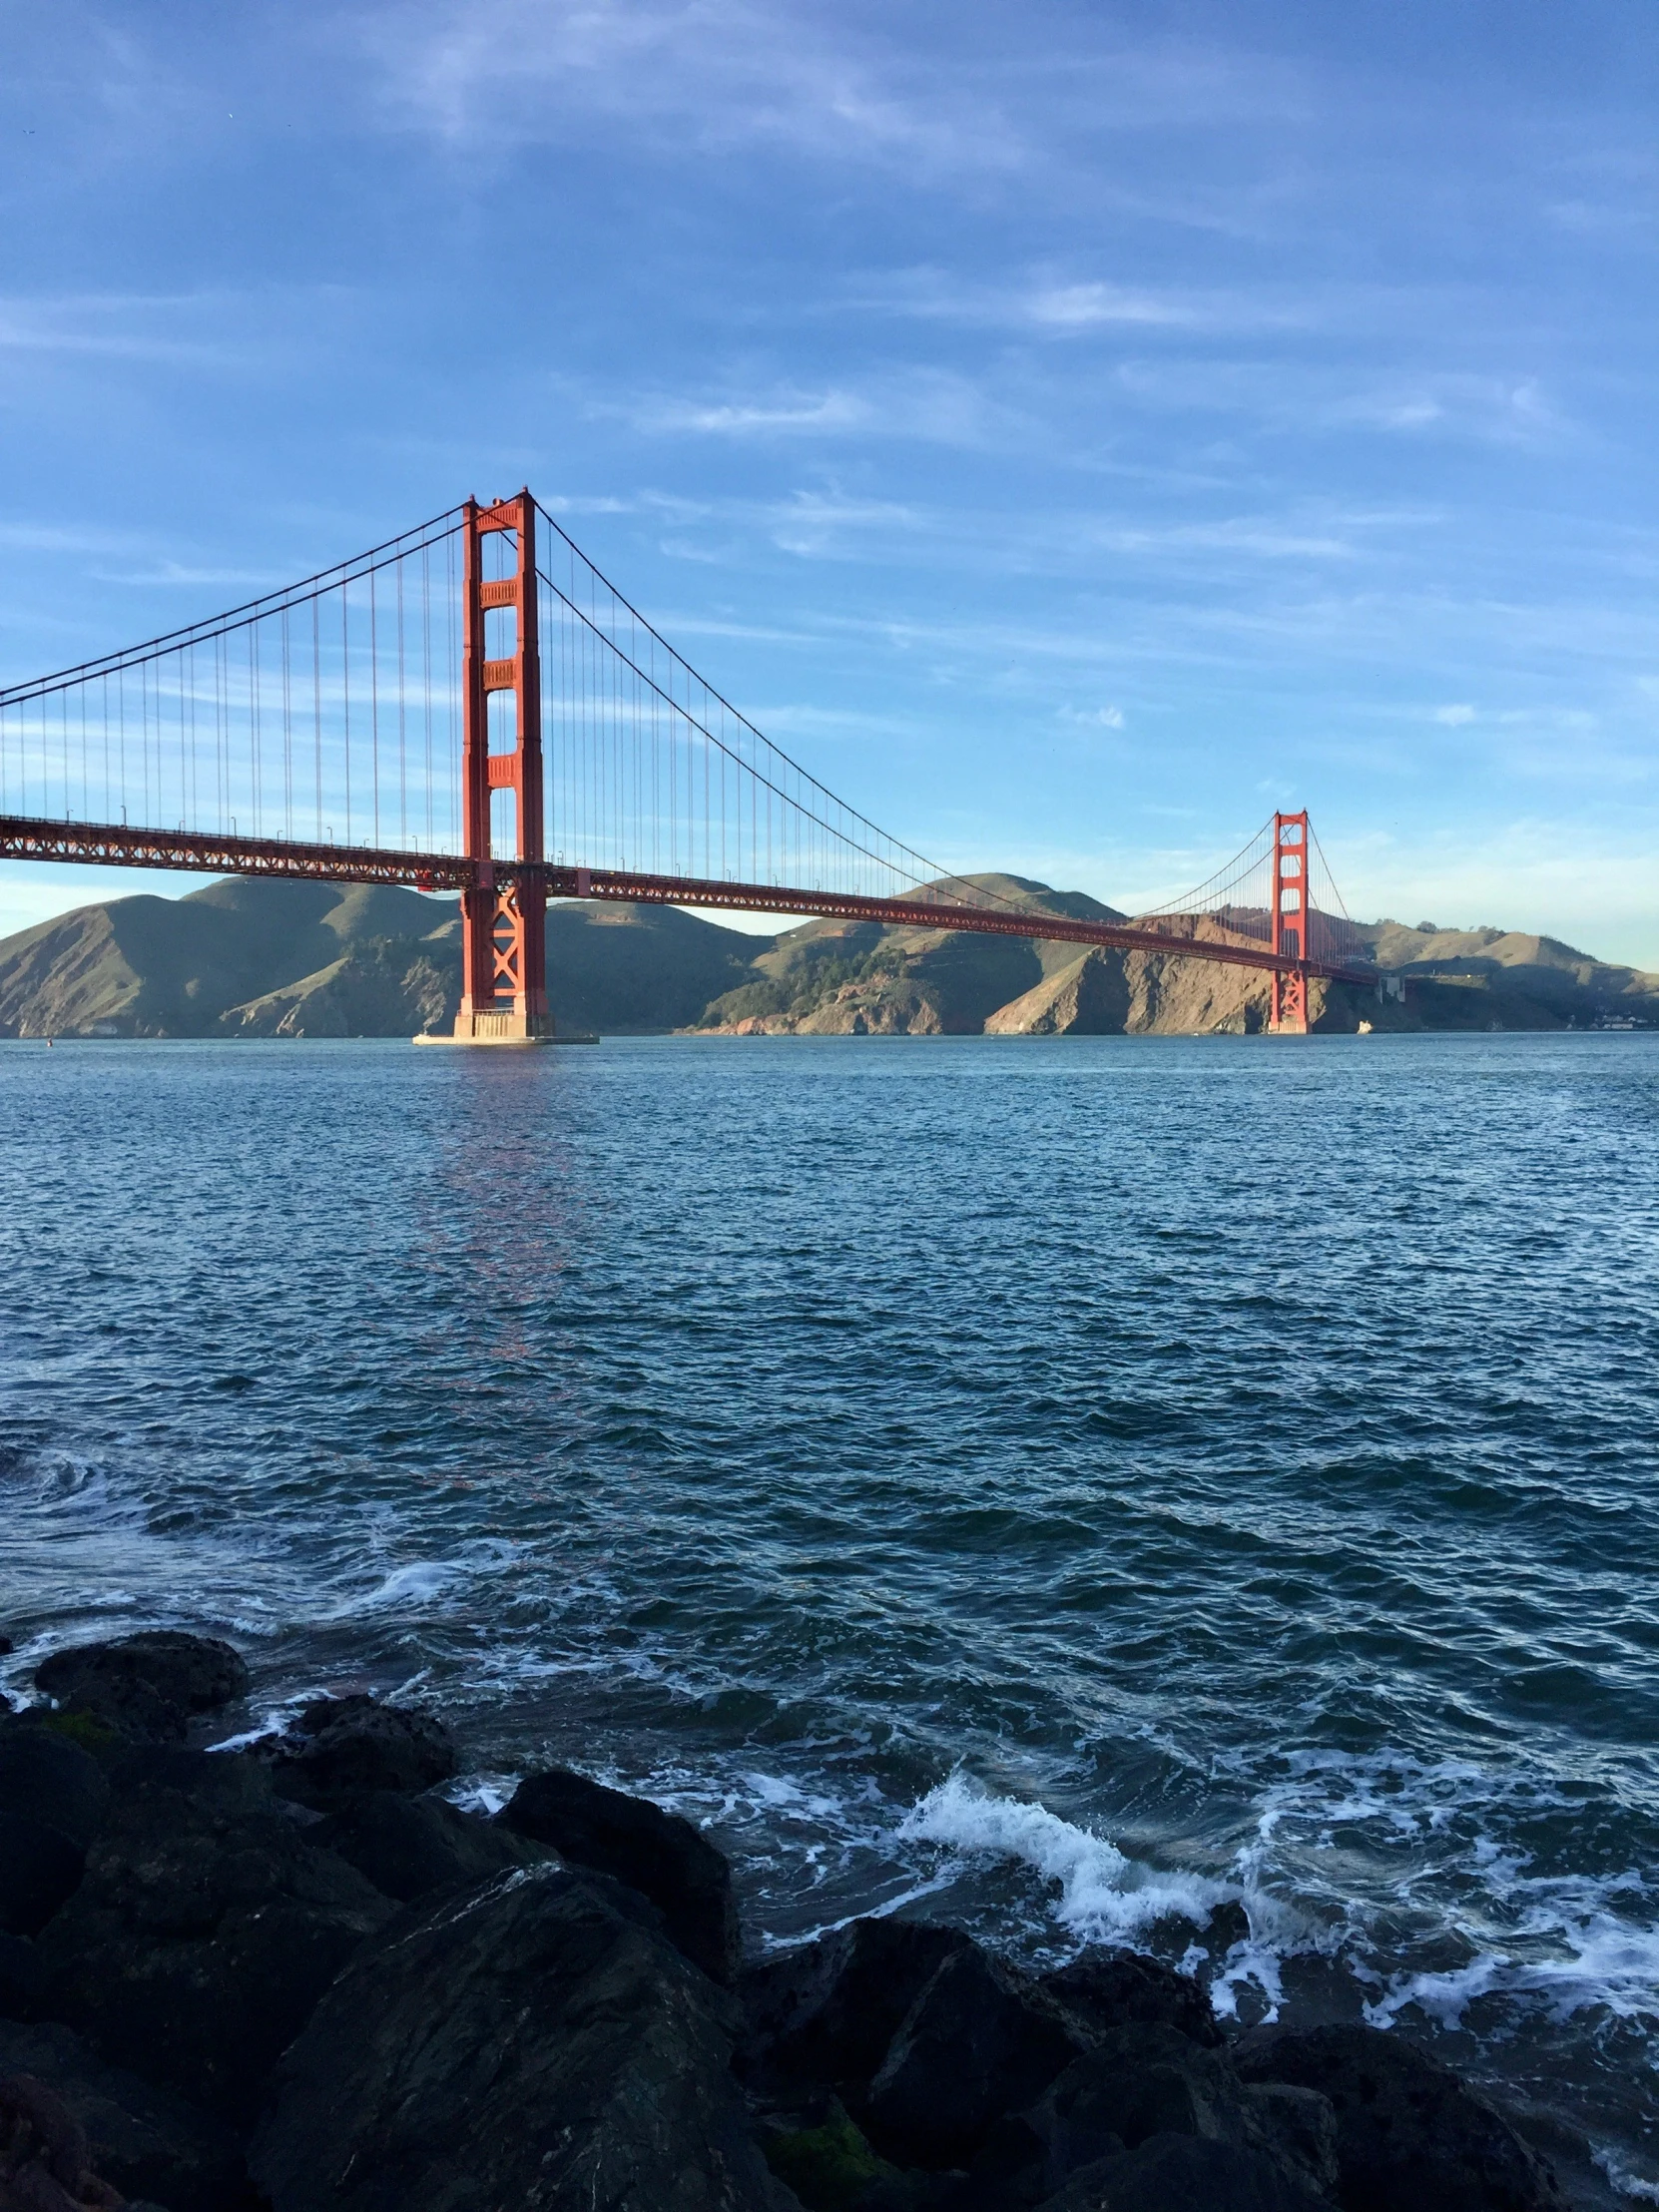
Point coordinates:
[(268, 958), (256, 957), (856, 979)]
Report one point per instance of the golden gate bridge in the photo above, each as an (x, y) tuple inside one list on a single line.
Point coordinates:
[(473, 706)]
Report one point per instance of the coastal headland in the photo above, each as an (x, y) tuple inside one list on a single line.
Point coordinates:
[(266, 958), (273, 1965)]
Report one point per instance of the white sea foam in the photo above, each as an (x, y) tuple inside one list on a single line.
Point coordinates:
[(1626, 2183), (1104, 1896), (1599, 1961), (411, 1585)]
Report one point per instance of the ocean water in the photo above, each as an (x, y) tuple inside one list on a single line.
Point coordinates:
[(1189, 1492)]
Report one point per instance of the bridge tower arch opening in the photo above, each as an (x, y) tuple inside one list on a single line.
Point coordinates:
[(1291, 890), (503, 929)]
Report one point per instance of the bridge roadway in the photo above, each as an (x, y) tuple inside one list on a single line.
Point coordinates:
[(118, 845)]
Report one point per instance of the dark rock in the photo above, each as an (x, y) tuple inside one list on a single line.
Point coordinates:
[(52, 1779), (1299, 2126), (52, 1795), (1138, 2082), (204, 1931), (976, 2043), (147, 1687), (1228, 1924), (524, 2044), (39, 1869), (22, 1978), (830, 2167), (1186, 2173), (827, 2012), (141, 2140), (409, 1846), (343, 1747), (662, 1856), (45, 2165), (1410, 2134), (1105, 1990), (7, 1647), (1146, 2082)]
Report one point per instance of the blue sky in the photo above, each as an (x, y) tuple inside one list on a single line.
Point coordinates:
[(1072, 431)]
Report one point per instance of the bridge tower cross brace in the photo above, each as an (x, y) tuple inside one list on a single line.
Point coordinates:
[(503, 931), (1291, 915)]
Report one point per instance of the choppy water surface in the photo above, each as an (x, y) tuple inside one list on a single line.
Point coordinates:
[(1071, 1486)]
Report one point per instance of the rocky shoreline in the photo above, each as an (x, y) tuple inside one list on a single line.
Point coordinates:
[(288, 1974)]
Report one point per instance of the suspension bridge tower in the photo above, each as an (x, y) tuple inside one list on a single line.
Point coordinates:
[(503, 931), (1292, 913)]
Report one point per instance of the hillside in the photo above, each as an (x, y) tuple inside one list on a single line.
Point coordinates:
[(256, 957), (853, 978)]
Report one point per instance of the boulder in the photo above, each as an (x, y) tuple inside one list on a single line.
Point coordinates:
[(829, 2166), (52, 1795), (39, 1869), (147, 1687), (22, 1978), (1146, 2082), (827, 2012), (45, 2165), (141, 2140), (525, 2042), (974, 2044), (1186, 2173), (657, 1853), (343, 1747), (205, 1928), (409, 1846), (1104, 1989), (1411, 2136)]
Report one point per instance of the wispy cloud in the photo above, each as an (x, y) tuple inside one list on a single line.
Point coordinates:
[(1052, 304), (934, 405), (1306, 398), (700, 73), (118, 326)]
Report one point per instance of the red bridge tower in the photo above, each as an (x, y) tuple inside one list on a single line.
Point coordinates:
[(1291, 915), (503, 933)]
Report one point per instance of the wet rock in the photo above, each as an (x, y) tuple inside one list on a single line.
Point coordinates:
[(7, 1647), (525, 2044), (1228, 1924), (1106, 1990), (343, 1747), (147, 1687), (409, 1846), (141, 2140), (830, 2167), (1145, 2083), (45, 2165), (1299, 2127), (204, 1931), (1185, 2173), (657, 1853), (52, 1795), (1411, 2136), (827, 2012), (22, 1978), (976, 2043), (39, 1869)]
